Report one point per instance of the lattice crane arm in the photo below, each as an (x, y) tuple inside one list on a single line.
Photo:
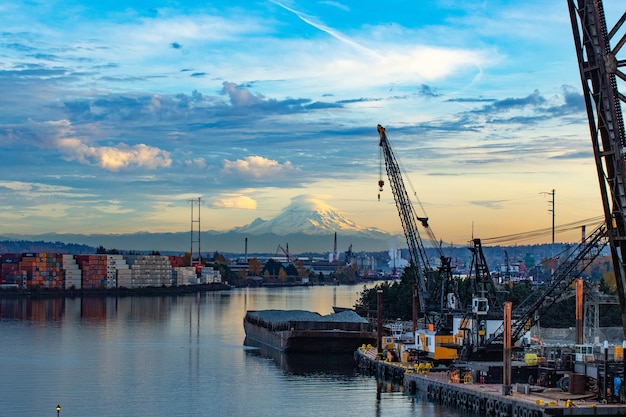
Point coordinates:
[(408, 217), (601, 70)]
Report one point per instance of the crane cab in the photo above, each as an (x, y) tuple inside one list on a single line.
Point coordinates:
[(480, 305)]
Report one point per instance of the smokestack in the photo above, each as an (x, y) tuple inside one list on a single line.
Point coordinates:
[(246, 250), (583, 231), (335, 249)]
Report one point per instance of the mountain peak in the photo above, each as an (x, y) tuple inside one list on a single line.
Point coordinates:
[(306, 214)]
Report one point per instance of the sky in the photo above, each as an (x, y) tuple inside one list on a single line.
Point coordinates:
[(114, 115)]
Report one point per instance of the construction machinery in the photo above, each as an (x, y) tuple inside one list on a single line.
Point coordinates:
[(471, 328), (598, 50), (436, 298), (285, 251), (432, 282)]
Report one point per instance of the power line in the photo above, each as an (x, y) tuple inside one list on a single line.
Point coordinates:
[(517, 237)]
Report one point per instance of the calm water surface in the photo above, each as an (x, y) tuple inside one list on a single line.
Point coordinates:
[(179, 356)]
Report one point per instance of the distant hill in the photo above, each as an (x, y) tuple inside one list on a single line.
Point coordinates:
[(25, 246), (307, 225), (214, 241)]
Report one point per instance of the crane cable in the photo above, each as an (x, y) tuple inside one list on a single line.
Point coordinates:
[(431, 235)]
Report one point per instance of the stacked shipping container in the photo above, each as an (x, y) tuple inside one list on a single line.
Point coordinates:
[(184, 275), (43, 269), (94, 269), (73, 274), (150, 271), (10, 272), (50, 270)]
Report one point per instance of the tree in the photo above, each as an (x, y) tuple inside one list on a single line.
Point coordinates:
[(272, 267), (291, 270), (255, 266), (608, 284), (282, 275), (218, 258)]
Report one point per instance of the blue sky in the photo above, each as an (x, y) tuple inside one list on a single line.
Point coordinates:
[(115, 114)]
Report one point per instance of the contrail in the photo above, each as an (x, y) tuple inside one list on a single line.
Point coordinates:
[(327, 30)]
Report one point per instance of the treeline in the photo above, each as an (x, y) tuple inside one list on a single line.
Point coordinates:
[(26, 246)]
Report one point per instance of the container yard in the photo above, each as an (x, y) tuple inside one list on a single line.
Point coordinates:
[(98, 271)]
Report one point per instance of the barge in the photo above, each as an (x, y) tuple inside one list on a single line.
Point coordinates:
[(306, 331)]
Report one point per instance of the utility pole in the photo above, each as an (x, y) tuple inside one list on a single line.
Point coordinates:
[(195, 234), (551, 210)]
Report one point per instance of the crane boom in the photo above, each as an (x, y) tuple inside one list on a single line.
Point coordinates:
[(530, 310), (430, 293), (600, 69)]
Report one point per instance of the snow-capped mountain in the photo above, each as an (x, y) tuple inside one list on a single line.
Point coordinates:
[(307, 224), (310, 216)]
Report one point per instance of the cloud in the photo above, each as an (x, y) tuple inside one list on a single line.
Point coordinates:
[(36, 190), (115, 158), (199, 163), (256, 168), (310, 20), (241, 97), (236, 202), (59, 135), (535, 99), (336, 4), (427, 91)]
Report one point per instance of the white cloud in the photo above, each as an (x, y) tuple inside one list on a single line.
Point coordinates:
[(114, 158), (111, 158), (257, 167), (236, 202), (199, 163)]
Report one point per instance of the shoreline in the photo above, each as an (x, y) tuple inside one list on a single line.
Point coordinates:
[(108, 292)]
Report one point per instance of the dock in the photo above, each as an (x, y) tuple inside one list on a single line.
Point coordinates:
[(483, 399)]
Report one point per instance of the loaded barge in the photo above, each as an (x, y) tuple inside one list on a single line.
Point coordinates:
[(306, 331)]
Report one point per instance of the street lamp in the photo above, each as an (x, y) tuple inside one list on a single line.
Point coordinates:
[(58, 410)]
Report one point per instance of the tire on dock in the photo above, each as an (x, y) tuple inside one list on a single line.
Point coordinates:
[(505, 409), (476, 405)]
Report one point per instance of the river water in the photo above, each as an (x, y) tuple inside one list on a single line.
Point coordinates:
[(179, 356)]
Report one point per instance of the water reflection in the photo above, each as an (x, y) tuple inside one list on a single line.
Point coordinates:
[(42, 310), (306, 364)]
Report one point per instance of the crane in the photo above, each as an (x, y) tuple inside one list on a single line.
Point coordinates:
[(431, 286), (597, 50), (530, 310), (285, 251)]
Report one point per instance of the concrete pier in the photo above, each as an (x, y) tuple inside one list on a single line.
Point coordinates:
[(484, 399)]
